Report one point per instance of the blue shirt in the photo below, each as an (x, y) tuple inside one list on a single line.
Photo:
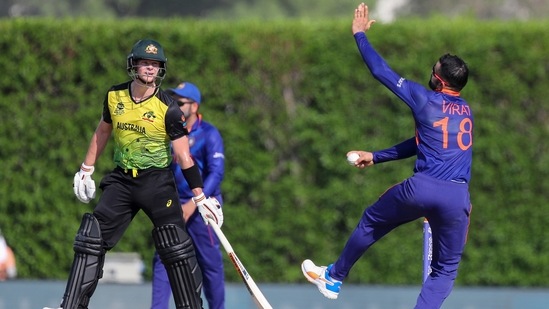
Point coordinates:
[(443, 121), (206, 146)]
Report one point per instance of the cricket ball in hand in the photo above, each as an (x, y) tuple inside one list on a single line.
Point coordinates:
[(352, 157)]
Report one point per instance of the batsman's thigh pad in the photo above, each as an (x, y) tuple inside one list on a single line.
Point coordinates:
[(176, 250), (87, 266)]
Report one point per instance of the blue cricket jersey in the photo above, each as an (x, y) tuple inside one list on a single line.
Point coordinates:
[(207, 150), (443, 120)]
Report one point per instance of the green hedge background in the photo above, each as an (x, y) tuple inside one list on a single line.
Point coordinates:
[(290, 99)]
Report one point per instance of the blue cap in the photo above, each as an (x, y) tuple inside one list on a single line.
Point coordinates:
[(187, 90)]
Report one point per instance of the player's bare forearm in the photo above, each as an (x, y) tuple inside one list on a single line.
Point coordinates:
[(188, 209), (98, 142), (182, 153)]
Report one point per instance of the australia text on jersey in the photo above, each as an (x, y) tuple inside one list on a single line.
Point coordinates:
[(130, 127)]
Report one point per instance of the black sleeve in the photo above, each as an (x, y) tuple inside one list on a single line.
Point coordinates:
[(106, 113), (176, 124)]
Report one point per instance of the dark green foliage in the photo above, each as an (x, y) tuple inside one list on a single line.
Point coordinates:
[(290, 99)]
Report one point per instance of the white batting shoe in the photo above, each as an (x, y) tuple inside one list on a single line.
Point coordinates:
[(320, 276)]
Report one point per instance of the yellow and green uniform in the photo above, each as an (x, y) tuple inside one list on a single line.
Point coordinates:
[(142, 179), (142, 131)]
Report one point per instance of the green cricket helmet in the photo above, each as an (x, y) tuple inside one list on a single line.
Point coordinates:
[(150, 50)]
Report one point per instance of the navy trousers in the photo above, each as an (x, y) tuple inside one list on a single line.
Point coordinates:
[(445, 204)]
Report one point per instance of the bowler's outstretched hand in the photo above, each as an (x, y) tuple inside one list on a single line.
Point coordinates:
[(361, 22)]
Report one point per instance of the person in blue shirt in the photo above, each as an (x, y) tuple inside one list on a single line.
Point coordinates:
[(207, 151), (439, 188)]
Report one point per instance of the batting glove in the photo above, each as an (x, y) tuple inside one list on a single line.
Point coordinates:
[(209, 208), (83, 185)]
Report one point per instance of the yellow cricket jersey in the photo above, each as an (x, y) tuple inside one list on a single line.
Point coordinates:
[(142, 131)]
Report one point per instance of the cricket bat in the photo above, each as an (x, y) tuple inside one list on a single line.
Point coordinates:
[(256, 294)]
